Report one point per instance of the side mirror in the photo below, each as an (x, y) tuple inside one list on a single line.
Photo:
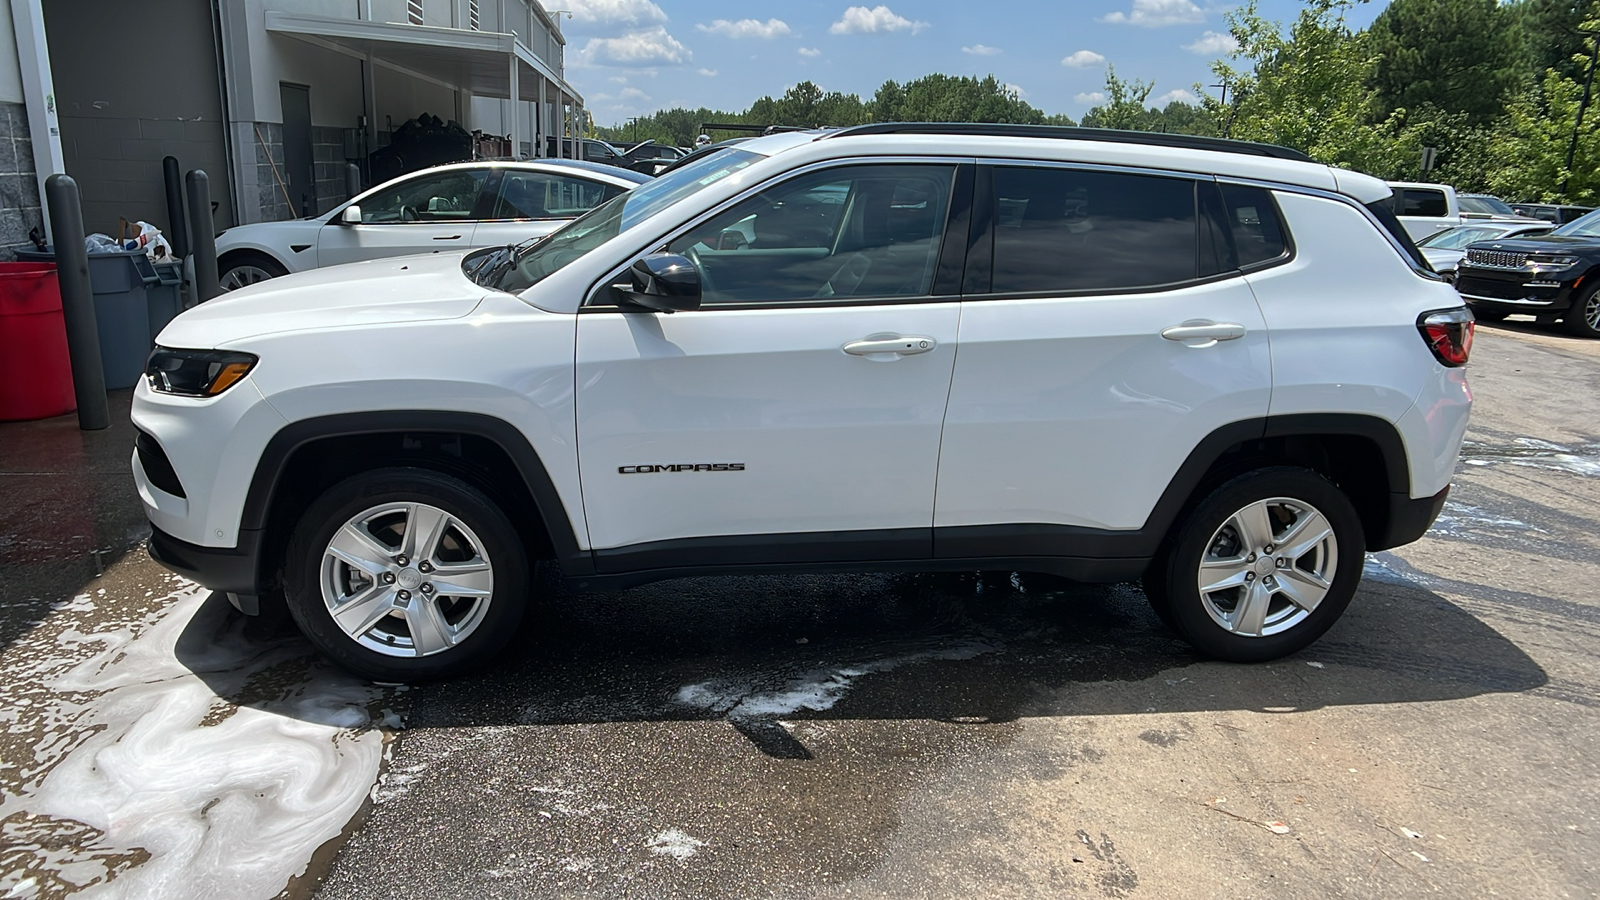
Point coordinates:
[(351, 215), (661, 282)]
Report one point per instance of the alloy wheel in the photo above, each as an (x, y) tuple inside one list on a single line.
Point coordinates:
[(406, 579), (1267, 567), (242, 276)]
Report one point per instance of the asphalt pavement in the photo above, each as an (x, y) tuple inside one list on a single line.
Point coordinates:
[(902, 736)]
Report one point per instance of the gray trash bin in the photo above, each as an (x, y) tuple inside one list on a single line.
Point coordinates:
[(165, 295), (121, 310)]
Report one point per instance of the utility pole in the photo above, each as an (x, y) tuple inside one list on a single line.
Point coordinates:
[(1228, 124), (634, 121), (1583, 105)]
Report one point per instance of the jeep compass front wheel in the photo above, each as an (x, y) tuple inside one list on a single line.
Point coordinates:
[(406, 574), (1262, 567)]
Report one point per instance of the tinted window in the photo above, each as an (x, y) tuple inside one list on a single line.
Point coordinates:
[(1253, 220), (855, 231), (1417, 202), (1584, 226), (440, 197), (540, 195), (1482, 204), (1065, 230)]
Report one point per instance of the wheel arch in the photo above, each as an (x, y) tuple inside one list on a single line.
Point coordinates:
[(308, 455)]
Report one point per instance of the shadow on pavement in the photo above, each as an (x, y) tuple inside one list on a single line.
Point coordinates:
[(967, 649)]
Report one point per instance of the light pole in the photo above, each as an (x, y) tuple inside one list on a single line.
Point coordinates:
[(1227, 125)]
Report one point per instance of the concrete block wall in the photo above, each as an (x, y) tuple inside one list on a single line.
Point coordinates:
[(271, 204), (20, 208), (327, 154), (117, 163)]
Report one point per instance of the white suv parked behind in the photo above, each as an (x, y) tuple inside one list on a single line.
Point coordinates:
[(1216, 366)]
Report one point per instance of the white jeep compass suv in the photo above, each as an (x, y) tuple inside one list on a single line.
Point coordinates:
[(1215, 366)]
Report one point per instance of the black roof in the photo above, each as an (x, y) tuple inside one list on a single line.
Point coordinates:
[(1060, 132)]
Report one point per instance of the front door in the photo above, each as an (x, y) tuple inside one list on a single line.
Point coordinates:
[(299, 172), (427, 213), (804, 398)]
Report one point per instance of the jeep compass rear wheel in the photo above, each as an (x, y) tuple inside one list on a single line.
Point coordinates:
[(405, 575), (1263, 566)]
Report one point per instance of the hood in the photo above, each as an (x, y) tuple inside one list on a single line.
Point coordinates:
[(1538, 243), (383, 291)]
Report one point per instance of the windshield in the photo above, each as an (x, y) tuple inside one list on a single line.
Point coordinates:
[(1458, 238), (1491, 205), (1585, 226), (539, 259)]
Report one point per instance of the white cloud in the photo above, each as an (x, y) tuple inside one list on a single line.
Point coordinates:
[(745, 28), (1090, 97), (1156, 13), (860, 20), (1083, 59), (709, 73), (1015, 90), (810, 52), (1180, 95), (651, 47), (615, 12), (982, 50), (632, 94), (1213, 44), (618, 79)]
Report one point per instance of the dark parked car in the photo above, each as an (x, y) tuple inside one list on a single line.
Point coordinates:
[(1549, 277), (651, 158), (1551, 212)]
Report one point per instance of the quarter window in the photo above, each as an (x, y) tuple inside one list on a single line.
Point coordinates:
[(541, 195), (1070, 230), (1253, 219), (854, 231), (442, 197)]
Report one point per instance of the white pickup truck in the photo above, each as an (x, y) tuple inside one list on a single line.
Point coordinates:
[(1426, 209)]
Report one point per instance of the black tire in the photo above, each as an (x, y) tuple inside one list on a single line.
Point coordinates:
[(485, 523), (242, 261), (1173, 581), (1582, 318)]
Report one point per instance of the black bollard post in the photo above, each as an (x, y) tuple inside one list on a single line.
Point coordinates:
[(177, 233), (77, 302), (204, 236), (352, 180)]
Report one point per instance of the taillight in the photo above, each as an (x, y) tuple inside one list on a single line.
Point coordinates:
[(1448, 333)]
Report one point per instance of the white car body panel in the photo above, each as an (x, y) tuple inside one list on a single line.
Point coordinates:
[(1420, 227), (1076, 411), (340, 244), (771, 389), (1347, 344)]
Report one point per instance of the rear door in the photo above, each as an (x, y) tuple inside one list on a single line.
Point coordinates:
[(1108, 336), (800, 407), (532, 203), (425, 213)]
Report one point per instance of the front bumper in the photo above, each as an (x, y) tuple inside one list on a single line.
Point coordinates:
[(230, 570), (1511, 291)]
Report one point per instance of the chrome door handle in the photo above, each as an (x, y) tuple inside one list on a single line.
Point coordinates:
[(1203, 333), (447, 237), (902, 344)]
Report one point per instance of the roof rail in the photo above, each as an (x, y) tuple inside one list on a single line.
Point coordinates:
[(1060, 132)]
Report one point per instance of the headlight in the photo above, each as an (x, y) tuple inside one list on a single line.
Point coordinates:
[(196, 373), (1555, 262)]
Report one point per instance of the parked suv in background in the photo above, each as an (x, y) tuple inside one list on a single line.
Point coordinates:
[(1546, 276), (1215, 366)]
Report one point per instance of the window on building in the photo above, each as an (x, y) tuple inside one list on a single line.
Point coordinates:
[(414, 12), (1069, 230), (854, 231)]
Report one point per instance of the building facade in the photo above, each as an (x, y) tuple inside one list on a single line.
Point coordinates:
[(274, 99)]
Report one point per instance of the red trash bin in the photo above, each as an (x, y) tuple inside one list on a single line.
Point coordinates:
[(35, 370)]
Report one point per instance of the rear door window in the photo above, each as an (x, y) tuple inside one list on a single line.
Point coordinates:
[(1423, 202), (1071, 230)]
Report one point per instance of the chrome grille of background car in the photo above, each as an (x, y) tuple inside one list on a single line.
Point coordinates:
[(1497, 259)]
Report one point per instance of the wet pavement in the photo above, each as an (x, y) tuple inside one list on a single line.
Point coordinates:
[(828, 736)]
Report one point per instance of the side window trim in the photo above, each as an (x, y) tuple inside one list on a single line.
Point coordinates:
[(488, 194), (985, 208), (947, 278), (1288, 253), (491, 174), (596, 299)]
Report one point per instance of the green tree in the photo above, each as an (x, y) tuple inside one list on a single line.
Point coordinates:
[(952, 98), (1456, 56), (1124, 107)]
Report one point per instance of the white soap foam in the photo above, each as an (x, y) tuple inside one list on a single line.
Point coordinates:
[(166, 790)]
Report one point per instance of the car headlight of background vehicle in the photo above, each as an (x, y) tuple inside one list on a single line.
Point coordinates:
[(196, 373), (1551, 260)]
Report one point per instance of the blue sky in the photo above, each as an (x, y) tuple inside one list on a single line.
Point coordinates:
[(629, 57)]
